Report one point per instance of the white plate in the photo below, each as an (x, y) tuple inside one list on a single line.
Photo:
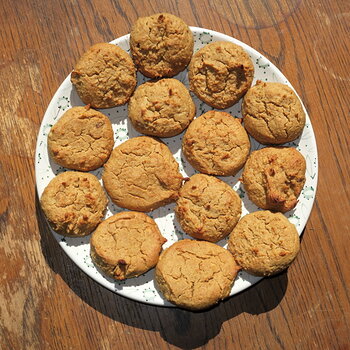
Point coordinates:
[(78, 249)]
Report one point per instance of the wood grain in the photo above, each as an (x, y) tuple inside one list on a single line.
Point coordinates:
[(46, 302)]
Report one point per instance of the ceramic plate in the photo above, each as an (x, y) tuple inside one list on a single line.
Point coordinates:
[(143, 288)]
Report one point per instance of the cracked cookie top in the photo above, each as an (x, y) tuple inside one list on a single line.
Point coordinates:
[(274, 177), (195, 274), (216, 144), (220, 73), (105, 76), (161, 45), (74, 203), (126, 245), (162, 108), (142, 174), (264, 243), (208, 208), (272, 113), (82, 139)]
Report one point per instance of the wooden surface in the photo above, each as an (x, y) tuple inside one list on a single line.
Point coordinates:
[(46, 302)]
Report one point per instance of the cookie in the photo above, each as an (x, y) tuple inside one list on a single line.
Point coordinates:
[(82, 139), (161, 108), (274, 177), (273, 113), (74, 203), (161, 45), (126, 245), (216, 144), (105, 76), (142, 174), (264, 243), (195, 274), (208, 208), (220, 73)]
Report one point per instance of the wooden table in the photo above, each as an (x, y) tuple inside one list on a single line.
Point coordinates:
[(46, 302)]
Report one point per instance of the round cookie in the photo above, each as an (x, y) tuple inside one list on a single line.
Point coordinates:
[(272, 113), (161, 45), (220, 73), (274, 177), (82, 139), (216, 144), (105, 76), (126, 245), (161, 108), (142, 174), (74, 203), (264, 243), (208, 208), (195, 274)]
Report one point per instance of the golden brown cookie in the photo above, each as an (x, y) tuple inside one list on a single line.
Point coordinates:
[(264, 243), (161, 108), (74, 203), (220, 73), (82, 139), (142, 174), (208, 208), (195, 274), (274, 177), (216, 143), (105, 76), (126, 245), (161, 45), (273, 113)]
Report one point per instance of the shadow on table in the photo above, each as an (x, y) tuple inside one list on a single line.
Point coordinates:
[(185, 329)]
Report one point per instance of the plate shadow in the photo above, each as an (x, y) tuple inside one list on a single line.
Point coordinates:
[(182, 328)]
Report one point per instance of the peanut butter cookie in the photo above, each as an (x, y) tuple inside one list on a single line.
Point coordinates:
[(74, 203), (105, 76), (274, 177), (162, 108), (142, 174), (220, 74), (216, 143), (126, 245), (264, 243), (161, 45), (195, 274), (82, 139), (208, 208), (273, 113)]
